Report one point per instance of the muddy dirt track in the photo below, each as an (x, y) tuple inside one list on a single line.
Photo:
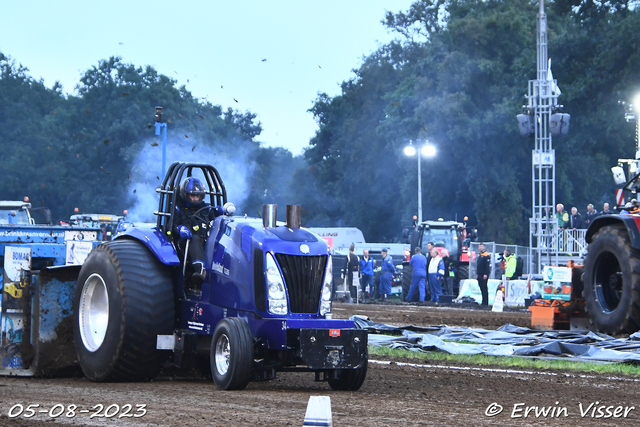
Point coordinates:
[(394, 394)]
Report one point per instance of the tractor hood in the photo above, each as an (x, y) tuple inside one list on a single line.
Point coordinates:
[(280, 239), (246, 233)]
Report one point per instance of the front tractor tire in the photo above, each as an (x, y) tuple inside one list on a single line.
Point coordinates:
[(124, 299), (350, 379), (612, 281), (232, 354)]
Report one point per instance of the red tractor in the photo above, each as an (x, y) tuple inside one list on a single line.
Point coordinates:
[(452, 240)]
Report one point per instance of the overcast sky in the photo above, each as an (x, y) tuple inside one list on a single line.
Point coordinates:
[(273, 57)]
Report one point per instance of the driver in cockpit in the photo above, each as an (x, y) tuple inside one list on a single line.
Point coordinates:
[(191, 222)]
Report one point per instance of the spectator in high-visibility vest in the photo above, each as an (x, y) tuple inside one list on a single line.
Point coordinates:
[(512, 264), (562, 216)]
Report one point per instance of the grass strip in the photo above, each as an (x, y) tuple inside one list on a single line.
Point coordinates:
[(627, 369)]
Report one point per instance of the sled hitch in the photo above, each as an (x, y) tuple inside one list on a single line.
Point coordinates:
[(332, 348)]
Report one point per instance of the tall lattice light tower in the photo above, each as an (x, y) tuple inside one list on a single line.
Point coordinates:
[(541, 118)]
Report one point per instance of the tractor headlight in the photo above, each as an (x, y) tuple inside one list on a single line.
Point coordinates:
[(325, 301), (276, 294)]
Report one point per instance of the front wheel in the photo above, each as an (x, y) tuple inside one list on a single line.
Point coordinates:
[(612, 281), (231, 354), (349, 379)]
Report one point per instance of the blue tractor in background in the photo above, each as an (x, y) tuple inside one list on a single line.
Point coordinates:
[(264, 306), (39, 265)]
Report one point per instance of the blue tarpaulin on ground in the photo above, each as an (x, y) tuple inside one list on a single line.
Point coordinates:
[(508, 340)]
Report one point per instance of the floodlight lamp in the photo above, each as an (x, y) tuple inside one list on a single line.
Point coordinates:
[(409, 150), (429, 151), (635, 102), (618, 175), (158, 117)]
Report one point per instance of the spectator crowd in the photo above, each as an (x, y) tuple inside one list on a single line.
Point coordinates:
[(430, 271), (575, 221)]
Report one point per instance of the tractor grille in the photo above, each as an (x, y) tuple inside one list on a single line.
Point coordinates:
[(303, 278)]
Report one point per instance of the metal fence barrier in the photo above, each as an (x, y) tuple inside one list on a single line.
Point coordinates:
[(496, 250), (568, 244)]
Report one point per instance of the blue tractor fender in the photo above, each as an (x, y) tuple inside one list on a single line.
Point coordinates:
[(156, 241), (631, 223)]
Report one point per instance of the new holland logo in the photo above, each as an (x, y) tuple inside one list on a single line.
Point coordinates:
[(304, 249)]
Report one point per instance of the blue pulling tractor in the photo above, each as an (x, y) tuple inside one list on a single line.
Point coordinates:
[(264, 306)]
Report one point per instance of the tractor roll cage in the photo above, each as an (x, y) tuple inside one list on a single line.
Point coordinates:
[(216, 190)]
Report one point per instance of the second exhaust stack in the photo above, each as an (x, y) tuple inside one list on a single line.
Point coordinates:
[(293, 216)]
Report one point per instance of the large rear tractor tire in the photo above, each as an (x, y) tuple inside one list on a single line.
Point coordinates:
[(407, 272), (612, 281), (124, 299), (350, 379), (463, 271), (232, 354)]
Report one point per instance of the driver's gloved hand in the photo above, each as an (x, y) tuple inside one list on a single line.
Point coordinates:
[(185, 233)]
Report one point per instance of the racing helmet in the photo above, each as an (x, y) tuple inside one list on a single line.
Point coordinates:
[(192, 192)]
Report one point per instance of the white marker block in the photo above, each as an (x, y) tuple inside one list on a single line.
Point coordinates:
[(318, 412), (498, 303)]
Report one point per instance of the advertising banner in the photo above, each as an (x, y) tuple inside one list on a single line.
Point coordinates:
[(77, 252), (17, 263)]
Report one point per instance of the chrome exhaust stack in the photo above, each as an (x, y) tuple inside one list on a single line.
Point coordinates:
[(293, 216), (269, 216)]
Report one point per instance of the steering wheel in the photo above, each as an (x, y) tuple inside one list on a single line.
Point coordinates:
[(198, 215)]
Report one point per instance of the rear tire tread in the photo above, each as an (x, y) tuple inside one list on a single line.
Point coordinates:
[(147, 310), (625, 317)]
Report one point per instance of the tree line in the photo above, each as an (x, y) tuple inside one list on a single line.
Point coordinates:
[(457, 76), (80, 150)]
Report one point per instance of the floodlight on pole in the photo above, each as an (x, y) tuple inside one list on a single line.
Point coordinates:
[(631, 111), (636, 110), (427, 150)]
